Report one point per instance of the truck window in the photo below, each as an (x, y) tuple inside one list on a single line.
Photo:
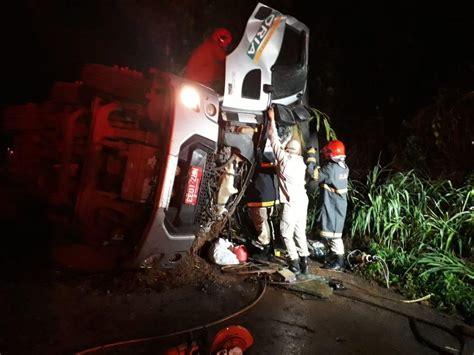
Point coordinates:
[(290, 69)]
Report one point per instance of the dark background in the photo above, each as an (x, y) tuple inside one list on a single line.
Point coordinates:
[(372, 66)]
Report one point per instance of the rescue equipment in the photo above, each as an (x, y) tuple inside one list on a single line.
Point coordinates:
[(334, 149)]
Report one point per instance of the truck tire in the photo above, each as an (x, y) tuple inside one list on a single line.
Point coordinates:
[(123, 84)]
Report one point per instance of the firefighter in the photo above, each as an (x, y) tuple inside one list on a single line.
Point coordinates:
[(332, 179), (207, 62), (291, 171), (262, 198), (311, 163)]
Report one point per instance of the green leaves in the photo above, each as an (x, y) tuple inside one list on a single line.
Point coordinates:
[(321, 117), (404, 209), (437, 262), (424, 230)]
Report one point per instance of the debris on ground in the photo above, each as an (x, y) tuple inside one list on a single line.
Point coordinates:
[(312, 286), (192, 271)]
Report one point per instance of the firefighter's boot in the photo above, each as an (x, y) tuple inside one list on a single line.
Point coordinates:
[(337, 264), (294, 266), (265, 255), (304, 264)]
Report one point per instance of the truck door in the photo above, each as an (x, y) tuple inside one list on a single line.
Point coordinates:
[(273, 51)]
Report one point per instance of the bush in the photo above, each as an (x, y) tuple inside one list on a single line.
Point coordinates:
[(423, 229)]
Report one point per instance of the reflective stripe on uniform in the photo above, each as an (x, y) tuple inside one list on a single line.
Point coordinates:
[(311, 160), (316, 174), (266, 165), (330, 234), (332, 189), (263, 204)]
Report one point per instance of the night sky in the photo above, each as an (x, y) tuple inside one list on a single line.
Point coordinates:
[(387, 58)]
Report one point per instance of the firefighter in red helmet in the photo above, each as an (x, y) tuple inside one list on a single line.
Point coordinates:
[(207, 62), (333, 179), (334, 151)]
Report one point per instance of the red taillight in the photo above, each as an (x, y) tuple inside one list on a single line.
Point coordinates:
[(192, 187)]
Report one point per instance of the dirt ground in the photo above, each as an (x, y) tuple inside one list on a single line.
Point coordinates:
[(46, 310), (49, 310)]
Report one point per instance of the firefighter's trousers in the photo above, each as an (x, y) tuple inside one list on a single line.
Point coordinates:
[(293, 226), (261, 220), (336, 245)]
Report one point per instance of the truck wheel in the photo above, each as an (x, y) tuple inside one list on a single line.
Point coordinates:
[(121, 83)]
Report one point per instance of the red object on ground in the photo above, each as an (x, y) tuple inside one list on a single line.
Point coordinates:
[(241, 252), (231, 337)]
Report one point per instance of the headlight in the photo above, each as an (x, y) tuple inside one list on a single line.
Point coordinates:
[(190, 98), (211, 110)]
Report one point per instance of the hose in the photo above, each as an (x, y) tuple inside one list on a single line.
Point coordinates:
[(201, 327), (424, 298), (412, 320), (366, 258)]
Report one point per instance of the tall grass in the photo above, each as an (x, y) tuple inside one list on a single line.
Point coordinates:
[(423, 228)]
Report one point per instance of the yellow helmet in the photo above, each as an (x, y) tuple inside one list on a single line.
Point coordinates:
[(293, 147)]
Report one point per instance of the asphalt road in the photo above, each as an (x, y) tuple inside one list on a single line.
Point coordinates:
[(50, 312)]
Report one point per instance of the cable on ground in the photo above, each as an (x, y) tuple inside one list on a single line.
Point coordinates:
[(363, 290), (157, 337), (413, 321)]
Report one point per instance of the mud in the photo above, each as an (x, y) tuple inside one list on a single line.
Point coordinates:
[(49, 310), (46, 310)]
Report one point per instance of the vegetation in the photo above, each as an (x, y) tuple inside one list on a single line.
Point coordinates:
[(423, 229), (418, 217), (322, 119)]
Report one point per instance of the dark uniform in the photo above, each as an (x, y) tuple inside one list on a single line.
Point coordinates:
[(263, 190), (262, 195), (333, 178)]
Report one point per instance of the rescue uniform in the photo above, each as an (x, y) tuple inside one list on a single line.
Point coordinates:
[(262, 194), (333, 178), (291, 173)]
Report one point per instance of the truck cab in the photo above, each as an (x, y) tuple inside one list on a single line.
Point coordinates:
[(142, 163)]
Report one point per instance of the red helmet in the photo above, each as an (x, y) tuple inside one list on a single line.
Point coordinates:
[(333, 150), (222, 36)]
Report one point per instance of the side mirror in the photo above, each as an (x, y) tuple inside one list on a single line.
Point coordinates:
[(300, 113), (284, 116), (267, 88)]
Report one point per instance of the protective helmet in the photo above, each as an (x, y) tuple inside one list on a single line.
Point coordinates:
[(334, 150), (222, 36), (293, 146)]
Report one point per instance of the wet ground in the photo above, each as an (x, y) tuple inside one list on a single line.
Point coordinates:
[(50, 311)]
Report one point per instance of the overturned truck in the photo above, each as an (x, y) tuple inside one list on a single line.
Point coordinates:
[(136, 165)]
